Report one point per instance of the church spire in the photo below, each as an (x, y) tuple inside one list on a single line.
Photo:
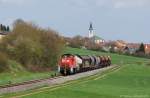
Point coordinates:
[(91, 30), (91, 26)]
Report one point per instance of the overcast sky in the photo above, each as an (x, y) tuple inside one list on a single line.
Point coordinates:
[(128, 20)]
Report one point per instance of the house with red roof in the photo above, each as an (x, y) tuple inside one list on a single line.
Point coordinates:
[(147, 48)]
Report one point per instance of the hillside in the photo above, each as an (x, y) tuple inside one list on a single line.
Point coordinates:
[(116, 58), (131, 80)]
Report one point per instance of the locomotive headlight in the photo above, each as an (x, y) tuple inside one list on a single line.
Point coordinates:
[(62, 60)]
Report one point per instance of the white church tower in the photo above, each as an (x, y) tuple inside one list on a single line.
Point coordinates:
[(96, 39), (91, 31)]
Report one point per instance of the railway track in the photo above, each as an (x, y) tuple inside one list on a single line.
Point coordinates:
[(48, 81), (28, 82), (39, 80)]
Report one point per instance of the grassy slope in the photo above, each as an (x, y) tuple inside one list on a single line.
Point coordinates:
[(116, 59), (19, 74), (6, 78), (130, 81)]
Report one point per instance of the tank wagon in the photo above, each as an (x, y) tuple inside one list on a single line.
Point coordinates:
[(71, 63)]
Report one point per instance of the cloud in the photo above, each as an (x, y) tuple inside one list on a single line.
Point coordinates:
[(87, 3), (13, 2), (81, 3), (111, 3), (130, 3)]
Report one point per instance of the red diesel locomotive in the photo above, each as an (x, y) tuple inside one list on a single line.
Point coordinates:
[(71, 64)]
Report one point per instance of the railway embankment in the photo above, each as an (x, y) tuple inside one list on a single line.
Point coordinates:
[(52, 81)]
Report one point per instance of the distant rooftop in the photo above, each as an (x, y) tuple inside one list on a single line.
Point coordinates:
[(97, 38), (3, 33)]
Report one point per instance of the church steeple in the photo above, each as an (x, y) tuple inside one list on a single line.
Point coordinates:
[(91, 26), (91, 30)]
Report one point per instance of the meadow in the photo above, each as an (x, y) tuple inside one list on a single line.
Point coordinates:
[(131, 80)]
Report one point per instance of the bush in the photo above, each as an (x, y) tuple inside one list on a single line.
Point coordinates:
[(32, 46), (76, 42), (3, 62)]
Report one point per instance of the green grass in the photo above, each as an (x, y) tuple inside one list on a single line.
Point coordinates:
[(131, 81), (18, 74), (7, 78), (116, 58)]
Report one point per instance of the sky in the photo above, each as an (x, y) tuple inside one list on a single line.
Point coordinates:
[(127, 20)]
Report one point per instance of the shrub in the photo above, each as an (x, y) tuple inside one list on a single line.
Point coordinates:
[(3, 62), (141, 49), (32, 46), (76, 42)]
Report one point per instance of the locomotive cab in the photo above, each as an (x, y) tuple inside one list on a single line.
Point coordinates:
[(67, 64)]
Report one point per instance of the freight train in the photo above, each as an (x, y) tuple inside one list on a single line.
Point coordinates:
[(72, 64)]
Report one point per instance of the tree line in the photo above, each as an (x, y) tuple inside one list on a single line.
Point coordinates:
[(4, 28), (82, 42), (87, 43)]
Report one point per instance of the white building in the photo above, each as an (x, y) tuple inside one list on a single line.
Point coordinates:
[(91, 31), (92, 36), (2, 34)]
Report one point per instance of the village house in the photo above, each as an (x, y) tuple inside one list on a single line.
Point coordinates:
[(116, 46), (131, 48), (97, 39), (2, 34), (147, 48), (4, 30)]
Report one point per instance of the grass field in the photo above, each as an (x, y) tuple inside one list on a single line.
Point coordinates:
[(19, 74), (7, 78), (116, 58), (130, 81)]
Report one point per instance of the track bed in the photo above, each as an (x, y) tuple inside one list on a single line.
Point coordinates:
[(50, 81)]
